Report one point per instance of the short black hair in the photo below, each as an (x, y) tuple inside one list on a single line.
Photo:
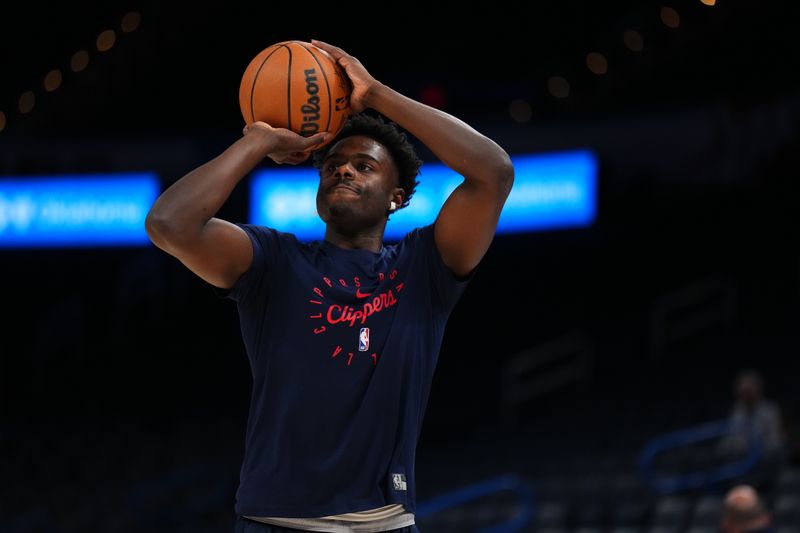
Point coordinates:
[(389, 135)]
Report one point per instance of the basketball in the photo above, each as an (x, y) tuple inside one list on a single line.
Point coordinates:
[(297, 86)]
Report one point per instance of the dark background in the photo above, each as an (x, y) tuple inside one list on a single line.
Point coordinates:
[(121, 371)]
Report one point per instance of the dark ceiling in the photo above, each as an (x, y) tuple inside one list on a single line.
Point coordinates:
[(180, 70)]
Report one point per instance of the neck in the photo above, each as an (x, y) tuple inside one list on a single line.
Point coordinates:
[(366, 239)]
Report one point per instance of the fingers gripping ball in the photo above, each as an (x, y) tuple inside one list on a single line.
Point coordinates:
[(297, 86)]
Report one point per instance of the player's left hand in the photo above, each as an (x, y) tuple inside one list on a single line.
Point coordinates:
[(360, 78)]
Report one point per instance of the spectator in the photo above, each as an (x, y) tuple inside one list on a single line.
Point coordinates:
[(744, 512), (755, 416)]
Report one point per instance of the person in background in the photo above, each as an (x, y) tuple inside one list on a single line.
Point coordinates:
[(744, 512), (756, 420)]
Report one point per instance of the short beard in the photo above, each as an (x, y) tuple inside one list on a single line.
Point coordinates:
[(341, 216), (340, 210)]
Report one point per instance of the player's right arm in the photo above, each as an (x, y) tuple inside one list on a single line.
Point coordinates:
[(182, 220)]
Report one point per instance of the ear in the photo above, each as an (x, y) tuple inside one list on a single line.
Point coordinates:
[(398, 196)]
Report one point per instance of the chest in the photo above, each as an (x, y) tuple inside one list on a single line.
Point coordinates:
[(345, 314)]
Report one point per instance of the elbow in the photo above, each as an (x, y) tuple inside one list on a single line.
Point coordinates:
[(505, 175), (170, 232), (161, 229), (154, 225)]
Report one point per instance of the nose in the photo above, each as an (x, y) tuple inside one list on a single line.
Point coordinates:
[(343, 170)]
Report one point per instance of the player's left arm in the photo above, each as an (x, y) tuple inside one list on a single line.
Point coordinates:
[(467, 222)]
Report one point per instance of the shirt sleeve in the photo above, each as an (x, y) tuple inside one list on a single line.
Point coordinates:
[(446, 285), (255, 281)]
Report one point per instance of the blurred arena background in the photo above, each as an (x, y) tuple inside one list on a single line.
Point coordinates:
[(587, 378)]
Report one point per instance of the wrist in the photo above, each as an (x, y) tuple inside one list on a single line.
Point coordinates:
[(259, 141), (375, 94)]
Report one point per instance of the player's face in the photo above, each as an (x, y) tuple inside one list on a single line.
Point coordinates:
[(358, 180)]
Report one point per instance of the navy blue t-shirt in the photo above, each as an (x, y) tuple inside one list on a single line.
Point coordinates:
[(342, 345)]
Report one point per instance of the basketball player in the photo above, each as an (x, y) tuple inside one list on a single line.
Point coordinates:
[(342, 334)]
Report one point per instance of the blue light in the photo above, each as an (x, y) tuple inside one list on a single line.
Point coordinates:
[(76, 210), (551, 191)]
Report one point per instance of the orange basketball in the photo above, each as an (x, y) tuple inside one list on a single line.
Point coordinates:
[(297, 86)]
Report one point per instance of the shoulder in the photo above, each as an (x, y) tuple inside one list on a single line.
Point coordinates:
[(420, 233), (267, 235), (770, 406), (417, 241), (255, 229)]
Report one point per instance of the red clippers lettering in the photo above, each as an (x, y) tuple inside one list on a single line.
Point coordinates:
[(351, 315)]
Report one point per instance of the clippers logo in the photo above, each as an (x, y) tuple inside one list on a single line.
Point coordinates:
[(327, 316)]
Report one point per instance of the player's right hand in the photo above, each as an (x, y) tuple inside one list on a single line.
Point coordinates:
[(286, 146)]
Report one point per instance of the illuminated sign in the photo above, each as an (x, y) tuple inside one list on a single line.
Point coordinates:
[(551, 191), (76, 210)]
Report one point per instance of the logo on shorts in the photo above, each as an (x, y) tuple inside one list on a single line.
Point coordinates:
[(399, 481), (363, 340)]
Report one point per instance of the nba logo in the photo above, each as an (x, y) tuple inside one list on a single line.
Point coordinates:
[(363, 340)]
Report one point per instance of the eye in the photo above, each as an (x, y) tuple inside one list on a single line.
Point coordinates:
[(364, 167)]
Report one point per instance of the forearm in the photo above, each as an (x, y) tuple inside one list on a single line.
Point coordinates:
[(454, 142), (187, 205)]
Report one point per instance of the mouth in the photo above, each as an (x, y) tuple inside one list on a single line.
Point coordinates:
[(341, 186)]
